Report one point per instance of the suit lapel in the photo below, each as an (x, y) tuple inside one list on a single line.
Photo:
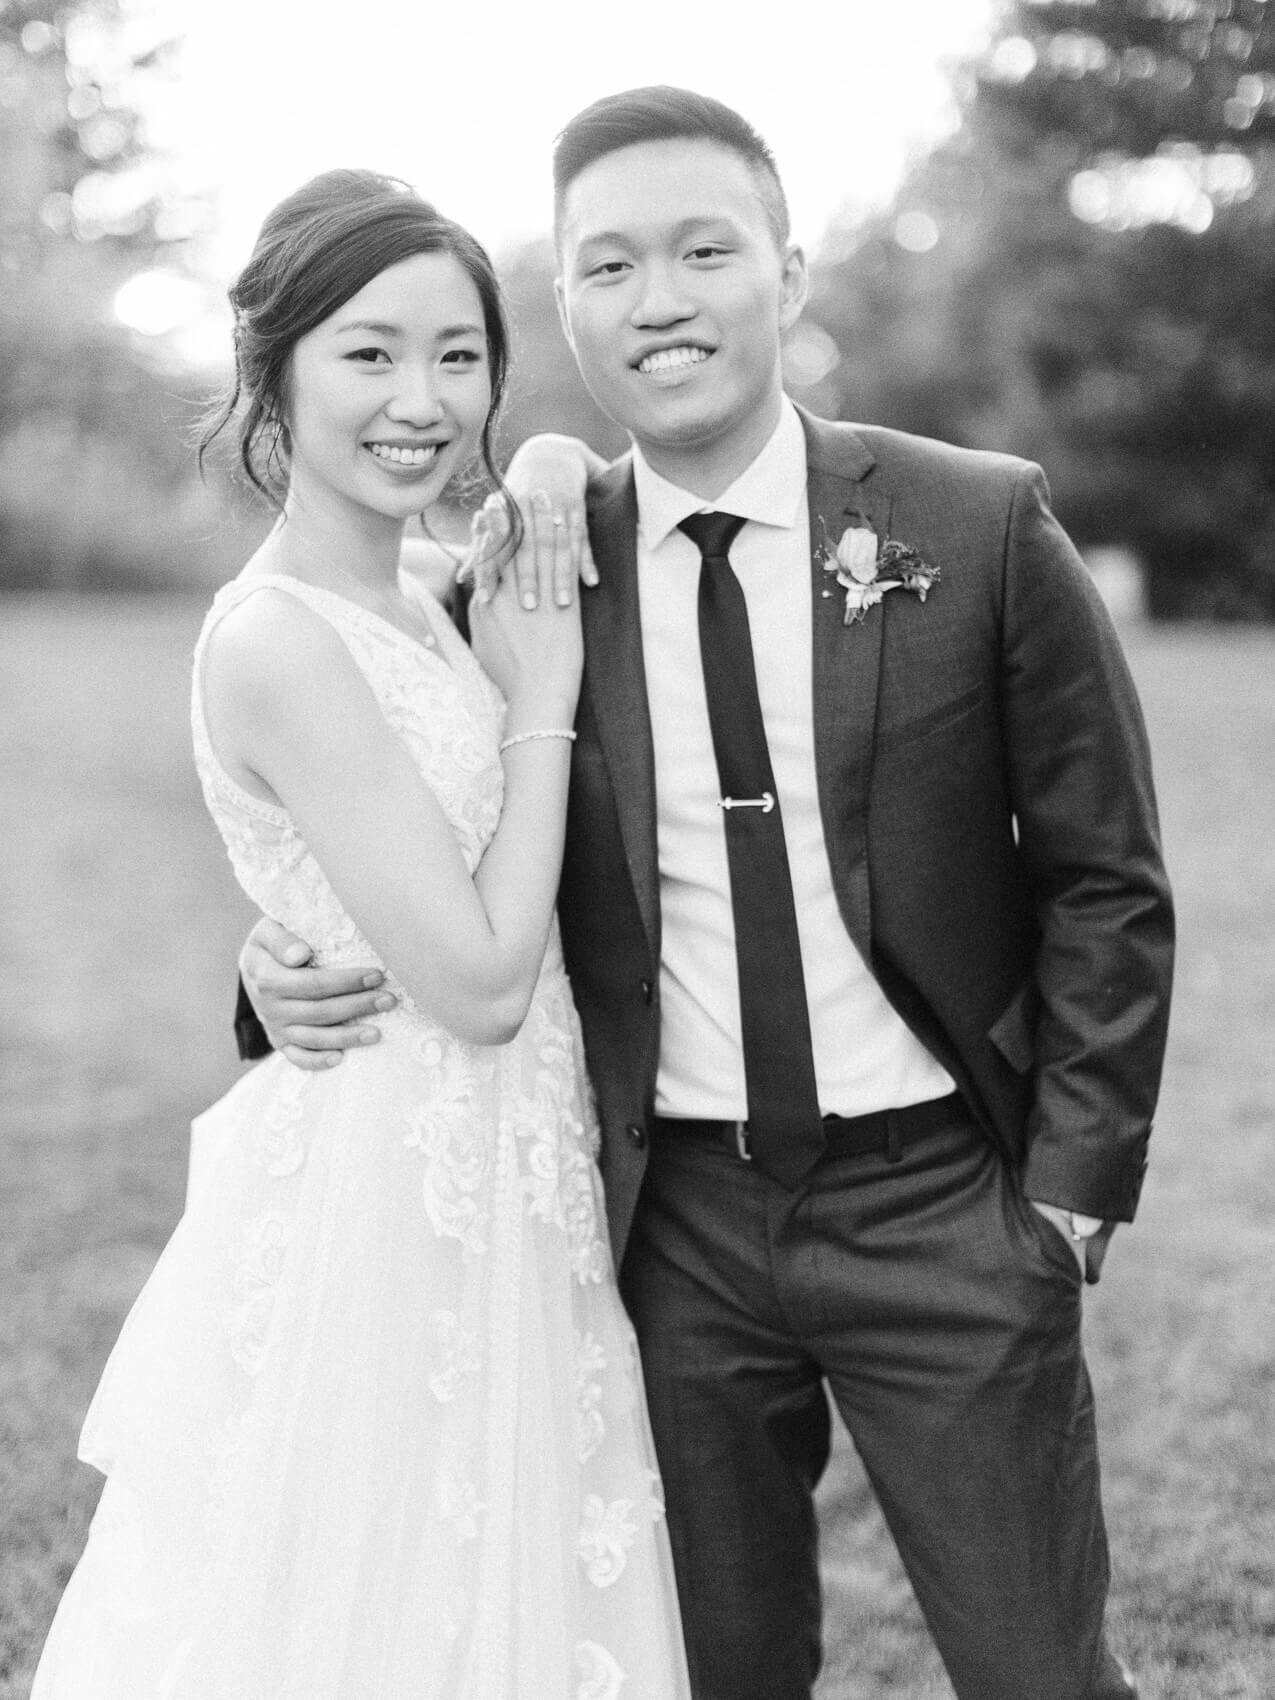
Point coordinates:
[(846, 672), (846, 664), (615, 683)]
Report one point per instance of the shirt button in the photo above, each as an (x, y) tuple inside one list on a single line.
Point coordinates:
[(637, 1135), (648, 991)]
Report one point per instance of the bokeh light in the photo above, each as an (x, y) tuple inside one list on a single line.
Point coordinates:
[(154, 303)]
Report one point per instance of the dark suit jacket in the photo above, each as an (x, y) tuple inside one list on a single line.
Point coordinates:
[(986, 794)]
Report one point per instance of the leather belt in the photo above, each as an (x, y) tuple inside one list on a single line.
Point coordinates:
[(886, 1131)]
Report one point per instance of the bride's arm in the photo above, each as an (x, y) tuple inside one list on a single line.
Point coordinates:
[(314, 1014), (286, 699)]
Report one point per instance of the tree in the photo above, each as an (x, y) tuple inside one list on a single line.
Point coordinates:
[(90, 459), (1084, 274), (547, 392)]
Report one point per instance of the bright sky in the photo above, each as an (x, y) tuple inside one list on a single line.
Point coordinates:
[(464, 100)]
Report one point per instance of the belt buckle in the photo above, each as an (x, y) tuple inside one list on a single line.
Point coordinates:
[(741, 1142)]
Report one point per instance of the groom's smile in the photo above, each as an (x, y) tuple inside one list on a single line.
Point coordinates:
[(672, 362), (674, 294)]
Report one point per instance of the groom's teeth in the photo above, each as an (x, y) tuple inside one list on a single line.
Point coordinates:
[(668, 359)]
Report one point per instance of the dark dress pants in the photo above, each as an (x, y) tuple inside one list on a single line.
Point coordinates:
[(943, 1315)]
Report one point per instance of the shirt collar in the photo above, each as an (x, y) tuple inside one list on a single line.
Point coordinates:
[(769, 490)]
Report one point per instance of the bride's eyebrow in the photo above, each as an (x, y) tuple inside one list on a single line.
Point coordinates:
[(373, 326), (377, 327)]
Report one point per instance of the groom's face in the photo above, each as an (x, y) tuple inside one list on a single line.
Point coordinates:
[(674, 294)]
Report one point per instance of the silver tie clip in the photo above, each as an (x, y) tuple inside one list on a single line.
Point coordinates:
[(765, 802)]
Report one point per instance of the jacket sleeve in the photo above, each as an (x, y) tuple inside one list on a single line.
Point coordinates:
[(250, 1035), (1080, 778)]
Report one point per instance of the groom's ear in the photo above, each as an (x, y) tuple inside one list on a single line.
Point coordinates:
[(560, 296), (794, 287)]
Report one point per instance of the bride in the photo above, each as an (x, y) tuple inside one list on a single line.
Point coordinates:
[(374, 1428)]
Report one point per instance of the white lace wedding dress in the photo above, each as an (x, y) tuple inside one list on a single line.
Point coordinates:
[(374, 1429)]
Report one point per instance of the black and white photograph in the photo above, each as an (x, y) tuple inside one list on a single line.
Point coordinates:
[(637, 977)]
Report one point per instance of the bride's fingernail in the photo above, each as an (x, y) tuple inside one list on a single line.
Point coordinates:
[(372, 981)]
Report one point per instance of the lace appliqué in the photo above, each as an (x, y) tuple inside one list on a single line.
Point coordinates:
[(455, 1356), (282, 1149), (606, 1534), (581, 1209), (449, 1133), (560, 1182), (601, 1678), (591, 1362), (254, 1285)]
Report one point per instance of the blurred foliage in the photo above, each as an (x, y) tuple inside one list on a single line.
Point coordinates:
[(1085, 273), (96, 484), (546, 392)]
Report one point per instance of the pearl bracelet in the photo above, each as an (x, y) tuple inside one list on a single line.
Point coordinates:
[(530, 737)]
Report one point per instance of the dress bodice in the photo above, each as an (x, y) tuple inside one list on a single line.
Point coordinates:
[(437, 700)]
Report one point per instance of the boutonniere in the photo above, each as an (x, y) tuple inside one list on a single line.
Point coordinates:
[(866, 568)]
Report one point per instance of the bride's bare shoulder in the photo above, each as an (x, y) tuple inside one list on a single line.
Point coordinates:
[(271, 647)]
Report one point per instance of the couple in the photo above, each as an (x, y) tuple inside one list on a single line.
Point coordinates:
[(850, 828)]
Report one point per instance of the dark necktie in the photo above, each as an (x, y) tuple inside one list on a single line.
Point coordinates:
[(785, 1130)]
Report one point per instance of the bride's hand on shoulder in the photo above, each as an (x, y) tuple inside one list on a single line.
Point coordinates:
[(534, 654), (547, 479)]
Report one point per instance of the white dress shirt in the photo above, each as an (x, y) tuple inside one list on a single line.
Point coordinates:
[(866, 1058)]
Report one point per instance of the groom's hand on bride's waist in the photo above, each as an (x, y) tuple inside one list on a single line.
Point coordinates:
[(311, 1015)]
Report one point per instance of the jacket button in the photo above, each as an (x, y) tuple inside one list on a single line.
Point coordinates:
[(648, 990), (637, 1135)]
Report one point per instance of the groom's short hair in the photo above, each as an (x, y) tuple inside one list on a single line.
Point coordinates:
[(662, 114)]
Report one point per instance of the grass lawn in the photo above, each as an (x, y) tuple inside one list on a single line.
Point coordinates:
[(116, 955)]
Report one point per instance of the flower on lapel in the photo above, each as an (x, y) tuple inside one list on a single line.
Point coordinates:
[(866, 568)]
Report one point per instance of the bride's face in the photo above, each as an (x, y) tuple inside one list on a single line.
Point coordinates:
[(387, 398)]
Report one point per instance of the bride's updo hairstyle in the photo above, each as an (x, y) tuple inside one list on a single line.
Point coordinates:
[(316, 249)]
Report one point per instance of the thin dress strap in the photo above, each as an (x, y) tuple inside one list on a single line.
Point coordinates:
[(349, 619)]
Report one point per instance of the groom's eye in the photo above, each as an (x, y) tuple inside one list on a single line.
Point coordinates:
[(707, 251)]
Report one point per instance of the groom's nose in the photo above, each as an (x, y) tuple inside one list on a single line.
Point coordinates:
[(661, 300)]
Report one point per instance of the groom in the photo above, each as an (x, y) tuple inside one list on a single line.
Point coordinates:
[(865, 915)]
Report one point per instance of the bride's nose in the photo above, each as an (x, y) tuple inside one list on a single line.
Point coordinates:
[(417, 399)]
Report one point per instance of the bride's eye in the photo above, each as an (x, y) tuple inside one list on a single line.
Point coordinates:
[(369, 356)]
